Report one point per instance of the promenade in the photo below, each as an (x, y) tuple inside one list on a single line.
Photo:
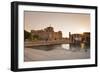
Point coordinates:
[(39, 43)]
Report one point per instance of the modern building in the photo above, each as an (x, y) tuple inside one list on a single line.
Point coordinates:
[(79, 38), (86, 37)]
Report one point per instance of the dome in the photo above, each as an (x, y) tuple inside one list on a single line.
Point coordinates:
[(49, 29)]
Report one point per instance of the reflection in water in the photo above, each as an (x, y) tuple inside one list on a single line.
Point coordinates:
[(65, 46), (47, 47), (82, 45), (58, 52), (79, 46), (69, 47)]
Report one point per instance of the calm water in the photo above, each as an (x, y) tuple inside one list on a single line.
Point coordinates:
[(68, 47), (57, 52)]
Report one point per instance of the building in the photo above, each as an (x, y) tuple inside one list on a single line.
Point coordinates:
[(86, 37), (79, 38), (75, 38), (47, 34)]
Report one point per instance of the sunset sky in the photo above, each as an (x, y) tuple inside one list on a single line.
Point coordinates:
[(65, 22)]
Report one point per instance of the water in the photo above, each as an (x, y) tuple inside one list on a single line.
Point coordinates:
[(47, 47), (57, 52), (68, 47), (76, 47)]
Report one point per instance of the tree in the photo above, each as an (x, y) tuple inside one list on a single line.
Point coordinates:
[(27, 35), (36, 37)]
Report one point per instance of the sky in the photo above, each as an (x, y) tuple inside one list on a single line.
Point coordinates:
[(65, 22)]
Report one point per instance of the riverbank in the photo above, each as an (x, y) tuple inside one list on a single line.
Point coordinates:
[(40, 43)]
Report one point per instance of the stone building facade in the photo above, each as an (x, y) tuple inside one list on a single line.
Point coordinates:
[(47, 34)]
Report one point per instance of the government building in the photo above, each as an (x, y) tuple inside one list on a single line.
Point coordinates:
[(47, 34)]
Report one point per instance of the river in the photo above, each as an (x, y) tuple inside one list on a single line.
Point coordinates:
[(68, 47), (57, 52)]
